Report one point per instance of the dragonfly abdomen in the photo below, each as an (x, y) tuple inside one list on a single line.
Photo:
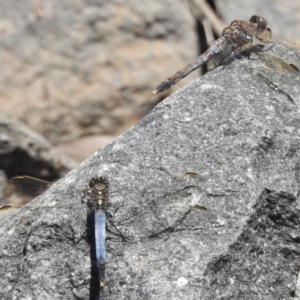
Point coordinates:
[(211, 52), (100, 244)]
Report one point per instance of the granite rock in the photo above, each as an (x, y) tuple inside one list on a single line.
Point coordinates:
[(228, 141)]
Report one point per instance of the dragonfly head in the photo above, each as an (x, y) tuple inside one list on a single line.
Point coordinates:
[(99, 183)]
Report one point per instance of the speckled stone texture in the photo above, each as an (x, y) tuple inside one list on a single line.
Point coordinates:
[(228, 141)]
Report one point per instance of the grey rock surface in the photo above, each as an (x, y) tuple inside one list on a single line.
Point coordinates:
[(24, 152), (228, 141)]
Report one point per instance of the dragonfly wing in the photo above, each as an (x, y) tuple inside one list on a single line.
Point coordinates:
[(266, 57), (268, 37), (263, 37), (276, 62), (6, 211), (25, 188), (29, 185)]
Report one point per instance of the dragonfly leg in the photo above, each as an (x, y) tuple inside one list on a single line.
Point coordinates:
[(276, 88), (171, 228), (125, 239)]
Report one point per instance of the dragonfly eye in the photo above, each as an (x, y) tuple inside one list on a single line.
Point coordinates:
[(99, 183), (93, 181), (260, 21)]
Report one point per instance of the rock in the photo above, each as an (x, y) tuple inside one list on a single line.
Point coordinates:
[(75, 68), (24, 152), (80, 149), (228, 141)]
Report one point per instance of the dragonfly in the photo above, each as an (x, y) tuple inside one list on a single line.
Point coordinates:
[(239, 39), (98, 201), (97, 198)]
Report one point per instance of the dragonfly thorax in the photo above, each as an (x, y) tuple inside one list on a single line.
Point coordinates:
[(237, 34)]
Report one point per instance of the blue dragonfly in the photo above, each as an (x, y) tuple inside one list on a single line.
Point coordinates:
[(97, 199)]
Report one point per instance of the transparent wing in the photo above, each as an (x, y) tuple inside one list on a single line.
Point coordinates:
[(260, 47), (7, 210), (269, 37), (276, 62), (30, 187)]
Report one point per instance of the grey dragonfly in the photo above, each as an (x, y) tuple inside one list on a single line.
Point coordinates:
[(240, 38)]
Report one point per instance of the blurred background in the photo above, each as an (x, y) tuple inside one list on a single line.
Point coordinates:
[(75, 74)]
